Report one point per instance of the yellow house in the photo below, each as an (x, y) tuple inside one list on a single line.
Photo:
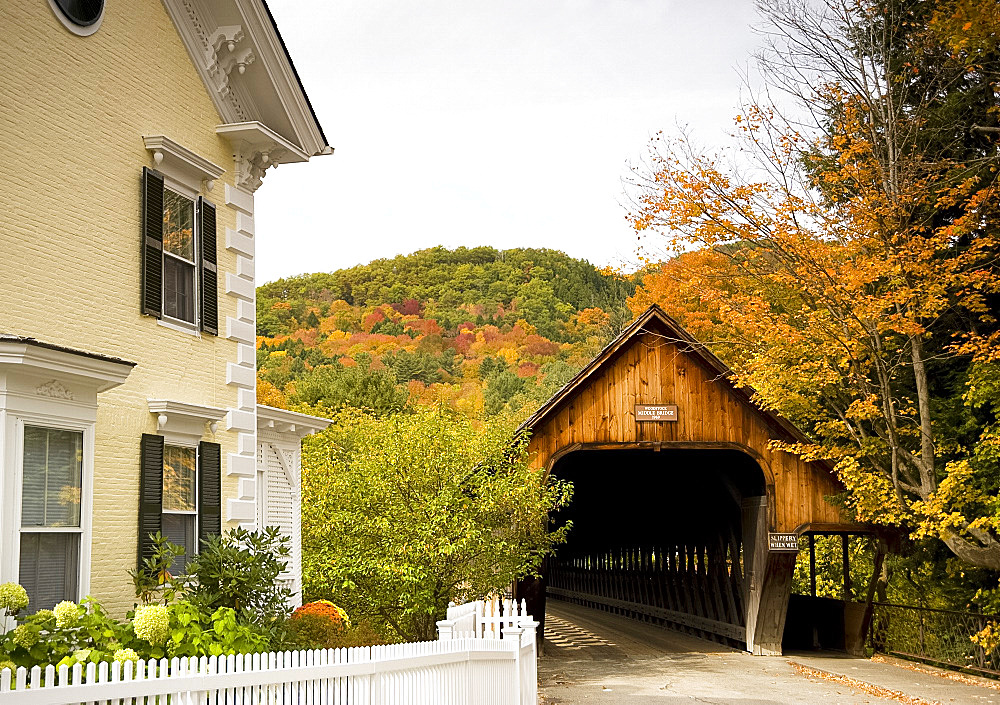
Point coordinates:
[(133, 137)]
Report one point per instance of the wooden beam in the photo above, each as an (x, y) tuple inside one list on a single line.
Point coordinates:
[(845, 542), (769, 582)]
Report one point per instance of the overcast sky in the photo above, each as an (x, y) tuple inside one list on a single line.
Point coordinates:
[(487, 122)]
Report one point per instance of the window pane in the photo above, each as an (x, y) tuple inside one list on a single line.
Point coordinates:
[(178, 225), (53, 470), (179, 529), (178, 289), (179, 479), (49, 569)]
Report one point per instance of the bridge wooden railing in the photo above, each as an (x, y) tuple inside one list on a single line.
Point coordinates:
[(697, 589)]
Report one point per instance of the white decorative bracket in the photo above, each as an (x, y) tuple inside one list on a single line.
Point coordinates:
[(227, 52), (255, 149)]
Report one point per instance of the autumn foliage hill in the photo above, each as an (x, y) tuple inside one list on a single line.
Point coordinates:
[(481, 330)]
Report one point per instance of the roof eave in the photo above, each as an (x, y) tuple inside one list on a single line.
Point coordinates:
[(221, 34), (694, 348)]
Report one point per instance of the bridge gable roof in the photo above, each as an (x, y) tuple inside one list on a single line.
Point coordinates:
[(655, 320)]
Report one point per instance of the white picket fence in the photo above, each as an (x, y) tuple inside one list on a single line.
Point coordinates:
[(484, 619), (490, 620), (455, 670)]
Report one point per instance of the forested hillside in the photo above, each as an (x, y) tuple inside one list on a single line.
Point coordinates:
[(482, 330)]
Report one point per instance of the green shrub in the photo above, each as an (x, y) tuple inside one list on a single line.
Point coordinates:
[(153, 580), (239, 570), (195, 633)]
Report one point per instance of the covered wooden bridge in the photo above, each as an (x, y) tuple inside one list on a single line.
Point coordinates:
[(682, 512)]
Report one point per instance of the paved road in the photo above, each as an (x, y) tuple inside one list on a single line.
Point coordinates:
[(594, 657)]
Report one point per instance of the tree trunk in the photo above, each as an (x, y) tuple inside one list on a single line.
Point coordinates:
[(984, 555)]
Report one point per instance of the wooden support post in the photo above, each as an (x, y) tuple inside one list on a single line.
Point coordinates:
[(812, 564), (768, 580), (866, 621), (532, 590), (845, 545), (754, 511)]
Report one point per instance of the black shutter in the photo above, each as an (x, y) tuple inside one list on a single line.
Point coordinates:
[(150, 493), (209, 490), (209, 268), (152, 243)]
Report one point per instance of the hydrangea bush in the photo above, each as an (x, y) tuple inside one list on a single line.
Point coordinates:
[(67, 614), (123, 655), (230, 603), (83, 633)]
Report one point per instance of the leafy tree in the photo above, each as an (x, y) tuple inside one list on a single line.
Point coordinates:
[(423, 366), (538, 305), (333, 387), (402, 514), (437, 321), (501, 387), (859, 261), (445, 280)]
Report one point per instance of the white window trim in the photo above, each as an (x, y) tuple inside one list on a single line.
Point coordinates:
[(183, 424), (13, 485), (73, 26), (180, 326), (55, 387)]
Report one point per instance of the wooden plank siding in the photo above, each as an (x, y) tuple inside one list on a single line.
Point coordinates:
[(657, 362)]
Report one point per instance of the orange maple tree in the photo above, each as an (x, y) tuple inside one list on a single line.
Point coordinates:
[(846, 266)]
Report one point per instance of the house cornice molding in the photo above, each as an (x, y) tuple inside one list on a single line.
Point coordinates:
[(182, 164), (243, 63), (256, 148), (59, 365), (274, 55), (288, 423)]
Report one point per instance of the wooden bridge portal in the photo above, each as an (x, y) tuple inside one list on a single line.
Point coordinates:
[(679, 498)]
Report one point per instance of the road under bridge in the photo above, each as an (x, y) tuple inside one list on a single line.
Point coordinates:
[(594, 657)]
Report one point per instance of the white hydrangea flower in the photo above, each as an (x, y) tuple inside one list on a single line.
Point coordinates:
[(24, 636), (152, 623), (13, 597), (67, 613), (122, 655)]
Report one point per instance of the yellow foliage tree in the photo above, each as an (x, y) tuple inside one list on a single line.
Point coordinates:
[(855, 261)]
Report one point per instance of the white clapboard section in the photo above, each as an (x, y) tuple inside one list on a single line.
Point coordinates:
[(279, 469), (278, 473)]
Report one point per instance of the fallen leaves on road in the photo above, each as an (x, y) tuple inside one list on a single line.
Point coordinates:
[(950, 675), (868, 688)]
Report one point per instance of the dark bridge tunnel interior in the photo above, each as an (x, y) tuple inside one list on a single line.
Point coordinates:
[(644, 498), (656, 535)]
